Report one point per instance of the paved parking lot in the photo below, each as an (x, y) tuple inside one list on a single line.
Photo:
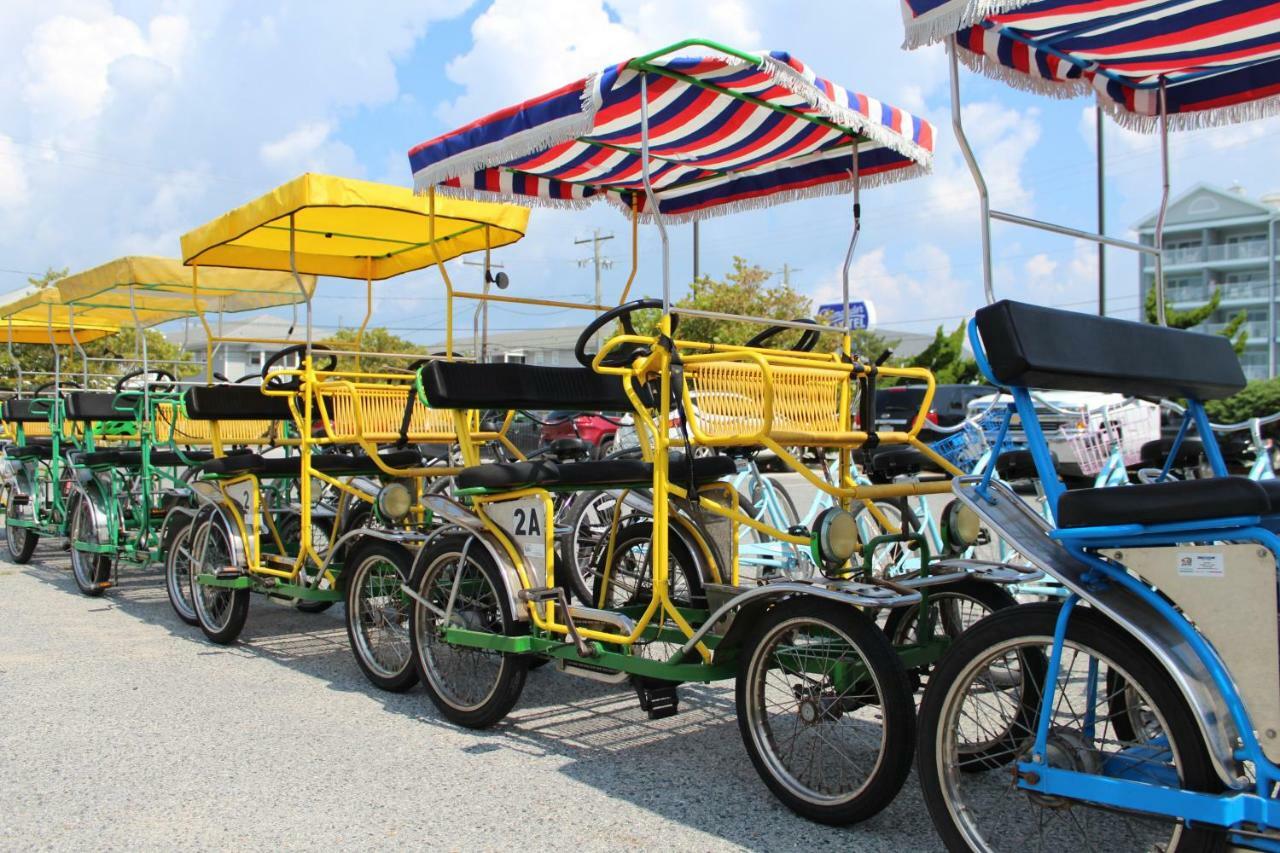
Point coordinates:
[(120, 727)]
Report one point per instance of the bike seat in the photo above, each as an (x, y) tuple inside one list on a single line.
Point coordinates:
[(1019, 465), (1155, 452), (164, 458), (30, 451), (891, 462), (1163, 503), (504, 476), (570, 448)]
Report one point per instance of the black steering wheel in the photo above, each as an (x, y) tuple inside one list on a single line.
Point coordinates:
[(806, 343), (625, 354), (51, 384), (293, 383), (163, 378)]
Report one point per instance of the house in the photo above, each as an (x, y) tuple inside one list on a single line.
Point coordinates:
[(242, 356)]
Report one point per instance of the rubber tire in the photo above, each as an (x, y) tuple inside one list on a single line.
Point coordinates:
[(239, 614), (175, 532), (101, 563), (515, 668), (301, 604), (993, 596), (642, 531), (403, 560), (21, 555), (1093, 631), (787, 503), (898, 709), (570, 577)]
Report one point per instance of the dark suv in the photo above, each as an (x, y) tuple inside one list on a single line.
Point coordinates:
[(897, 406)]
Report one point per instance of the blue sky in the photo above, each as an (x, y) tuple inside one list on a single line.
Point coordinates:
[(125, 124)]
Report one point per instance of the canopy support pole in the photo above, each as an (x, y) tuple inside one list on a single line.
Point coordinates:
[(17, 365), (204, 321), (293, 268), (853, 238), (57, 356), (1102, 210), (75, 341), (444, 273), (488, 277), (984, 197), (142, 338), (1164, 206), (648, 192), (368, 307)]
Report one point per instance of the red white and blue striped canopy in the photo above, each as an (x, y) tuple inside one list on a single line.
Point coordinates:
[(727, 131), (1219, 59)]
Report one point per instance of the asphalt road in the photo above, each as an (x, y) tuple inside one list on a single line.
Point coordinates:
[(121, 727)]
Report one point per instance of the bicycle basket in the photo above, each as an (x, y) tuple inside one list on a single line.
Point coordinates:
[(963, 448)]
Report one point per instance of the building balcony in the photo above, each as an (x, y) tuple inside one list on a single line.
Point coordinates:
[(1251, 251), (1257, 329)]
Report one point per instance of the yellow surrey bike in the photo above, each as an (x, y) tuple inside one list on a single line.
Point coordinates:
[(824, 701), (361, 437)]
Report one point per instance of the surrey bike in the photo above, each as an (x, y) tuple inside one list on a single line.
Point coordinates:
[(130, 471), (359, 429), (672, 602), (37, 479), (1141, 712)]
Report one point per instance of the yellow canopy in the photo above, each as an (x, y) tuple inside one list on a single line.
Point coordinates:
[(162, 289), (35, 315), (350, 229)]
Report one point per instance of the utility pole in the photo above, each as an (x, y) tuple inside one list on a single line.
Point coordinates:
[(786, 271), (597, 261), (695, 250), (483, 311), (1102, 218)]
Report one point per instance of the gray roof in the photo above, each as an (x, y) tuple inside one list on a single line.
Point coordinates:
[(256, 326), (1206, 203)]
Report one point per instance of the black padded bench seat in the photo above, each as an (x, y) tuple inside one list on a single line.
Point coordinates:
[(506, 476), (1019, 465), (38, 450), (291, 466), (20, 411), (888, 462), (132, 457), (1162, 503), (234, 403), (99, 406), (464, 385)]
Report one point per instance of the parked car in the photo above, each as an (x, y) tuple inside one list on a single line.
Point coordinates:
[(594, 427), (898, 405)]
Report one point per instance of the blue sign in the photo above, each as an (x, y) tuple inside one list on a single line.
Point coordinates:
[(862, 315)]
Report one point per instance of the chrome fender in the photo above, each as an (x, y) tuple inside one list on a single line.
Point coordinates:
[(219, 513), (90, 494), (1008, 515), (453, 513)]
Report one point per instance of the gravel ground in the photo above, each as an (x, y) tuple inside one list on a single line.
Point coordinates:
[(121, 727)]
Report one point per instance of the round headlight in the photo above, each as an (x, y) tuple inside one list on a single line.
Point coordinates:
[(961, 526), (835, 536), (394, 501)]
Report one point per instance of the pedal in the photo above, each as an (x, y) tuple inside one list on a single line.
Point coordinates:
[(228, 573), (543, 594), (658, 699)]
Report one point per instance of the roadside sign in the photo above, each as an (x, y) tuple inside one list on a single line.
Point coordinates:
[(862, 315)]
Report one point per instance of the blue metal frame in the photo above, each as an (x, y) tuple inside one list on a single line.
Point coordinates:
[(1225, 810)]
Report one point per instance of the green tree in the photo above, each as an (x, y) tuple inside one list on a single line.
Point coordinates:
[(745, 290), (870, 344), (1175, 319), (944, 357), (376, 339), (1260, 398)]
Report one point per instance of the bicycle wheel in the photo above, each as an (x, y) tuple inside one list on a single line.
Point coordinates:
[(19, 541), (628, 579), (825, 711), (177, 568), (91, 569), (378, 615), (981, 712), (290, 530), (473, 687), (586, 525), (889, 557), (772, 503), (221, 611)]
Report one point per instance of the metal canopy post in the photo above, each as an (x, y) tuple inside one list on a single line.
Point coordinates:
[(293, 268), (57, 356), (984, 197), (853, 238), (648, 192), (17, 365), (75, 340), (988, 214), (1164, 206)]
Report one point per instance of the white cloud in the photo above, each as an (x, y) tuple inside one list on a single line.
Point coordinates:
[(523, 49), (13, 177), (919, 286), (1047, 280), (1001, 138)]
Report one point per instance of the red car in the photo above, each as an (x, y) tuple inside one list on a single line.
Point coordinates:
[(592, 427)]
